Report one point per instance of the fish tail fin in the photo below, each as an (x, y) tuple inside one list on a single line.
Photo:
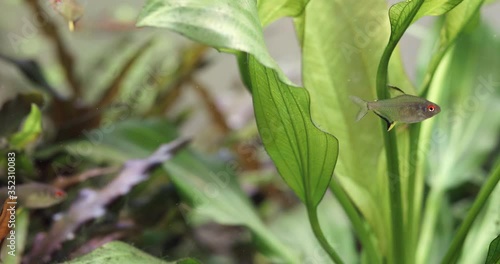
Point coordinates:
[(363, 105)]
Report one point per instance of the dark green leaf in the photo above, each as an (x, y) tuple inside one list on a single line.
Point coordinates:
[(15, 110), (494, 252), (304, 155), (30, 130)]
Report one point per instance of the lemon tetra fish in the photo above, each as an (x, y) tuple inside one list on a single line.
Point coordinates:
[(404, 108)]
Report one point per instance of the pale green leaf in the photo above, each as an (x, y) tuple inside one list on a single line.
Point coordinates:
[(30, 130), (271, 10), (228, 25), (435, 8), (118, 252)]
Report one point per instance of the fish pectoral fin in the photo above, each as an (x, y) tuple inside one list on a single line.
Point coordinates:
[(390, 126), (396, 88)]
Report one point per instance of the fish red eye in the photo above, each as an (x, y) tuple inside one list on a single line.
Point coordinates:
[(431, 108), (59, 193)]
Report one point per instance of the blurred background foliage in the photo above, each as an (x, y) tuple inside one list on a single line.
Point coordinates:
[(110, 92)]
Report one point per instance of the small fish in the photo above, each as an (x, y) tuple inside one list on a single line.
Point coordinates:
[(35, 195), (403, 108)]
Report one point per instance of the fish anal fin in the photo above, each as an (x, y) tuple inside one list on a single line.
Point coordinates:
[(390, 126), (396, 88)]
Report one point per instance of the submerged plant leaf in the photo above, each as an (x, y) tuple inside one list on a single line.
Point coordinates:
[(118, 252), (31, 129), (401, 15), (13, 111), (494, 252), (271, 10), (234, 24), (435, 8), (304, 155)]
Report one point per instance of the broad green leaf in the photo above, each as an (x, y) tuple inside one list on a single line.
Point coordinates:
[(118, 252), (228, 25), (30, 130), (494, 252), (271, 10), (209, 186), (401, 15), (304, 155), (435, 8)]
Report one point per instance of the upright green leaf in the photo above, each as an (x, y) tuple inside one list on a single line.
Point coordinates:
[(304, 155), (271, 10), (30, 130), (118, 252), (494, 252)]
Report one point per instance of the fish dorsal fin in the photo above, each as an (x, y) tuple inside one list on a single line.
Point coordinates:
[(396, 88)]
